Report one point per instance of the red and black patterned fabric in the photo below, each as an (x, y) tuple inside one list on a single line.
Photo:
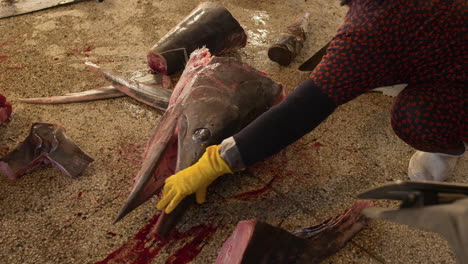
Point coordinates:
[(431, 117), (419, 42), (381, 43)]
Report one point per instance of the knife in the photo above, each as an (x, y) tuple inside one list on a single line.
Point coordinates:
[(418, 193), (311, 63)]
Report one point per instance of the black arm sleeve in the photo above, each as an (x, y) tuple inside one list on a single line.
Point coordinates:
[(302, 110)]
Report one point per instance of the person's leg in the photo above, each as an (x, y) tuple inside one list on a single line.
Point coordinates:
[(431, 118)]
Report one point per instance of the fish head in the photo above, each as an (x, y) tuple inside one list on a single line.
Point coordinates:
[(204, 122)]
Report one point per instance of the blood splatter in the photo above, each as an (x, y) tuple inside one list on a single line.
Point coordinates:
[(272, 168), (89, 48), (146, 245), (81, 51), (13, 39), (275, 166), (15, 68), (317, 145), (130, 152), (112, 234), (78, 196)]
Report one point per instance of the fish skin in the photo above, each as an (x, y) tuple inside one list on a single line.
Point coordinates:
[(46, 143), (209, 25), (257, 242), (153, 91), (106, 92), (5, 109), (219, 95)]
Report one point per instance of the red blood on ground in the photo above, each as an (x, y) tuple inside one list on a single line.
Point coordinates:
[(2, 58), (80, 51), (130, 152), (318, 145), (112, 234), (12, 39), (89, 48), (15, 68), (275, 168), (146, 245), (77, 196), (256, 193)]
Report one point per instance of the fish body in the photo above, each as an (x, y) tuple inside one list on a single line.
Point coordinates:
[(210, 25), (214, 98), (253, 241)]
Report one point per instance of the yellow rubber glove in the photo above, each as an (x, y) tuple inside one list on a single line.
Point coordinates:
[(194, 179)]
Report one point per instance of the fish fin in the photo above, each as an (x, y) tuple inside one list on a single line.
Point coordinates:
[(157, 97), (45, 143)]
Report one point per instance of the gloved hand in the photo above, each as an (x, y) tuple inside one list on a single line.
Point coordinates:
[(449, 220), (194, 179)]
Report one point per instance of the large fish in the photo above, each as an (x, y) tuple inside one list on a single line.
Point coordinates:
[(214, 98), (5, 109), (257, 242), (210, 25)]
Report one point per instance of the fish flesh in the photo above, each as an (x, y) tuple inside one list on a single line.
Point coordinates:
[(46, 143), (290, 42), (209, 25), (5, 109), (253, 241), (214, 98)]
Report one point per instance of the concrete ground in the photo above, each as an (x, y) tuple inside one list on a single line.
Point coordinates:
[(47, 217)]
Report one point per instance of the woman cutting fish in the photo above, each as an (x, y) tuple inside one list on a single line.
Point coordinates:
[(381, 43)]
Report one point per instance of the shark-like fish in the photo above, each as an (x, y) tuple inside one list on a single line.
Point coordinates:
[(214, 98)]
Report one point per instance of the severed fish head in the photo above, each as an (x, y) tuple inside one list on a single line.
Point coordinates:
[(214, 98), (205, 121)]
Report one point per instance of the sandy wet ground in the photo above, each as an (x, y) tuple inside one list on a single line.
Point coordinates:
[(46, 217)]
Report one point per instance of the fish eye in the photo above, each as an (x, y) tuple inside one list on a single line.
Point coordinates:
[(201, 135)]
